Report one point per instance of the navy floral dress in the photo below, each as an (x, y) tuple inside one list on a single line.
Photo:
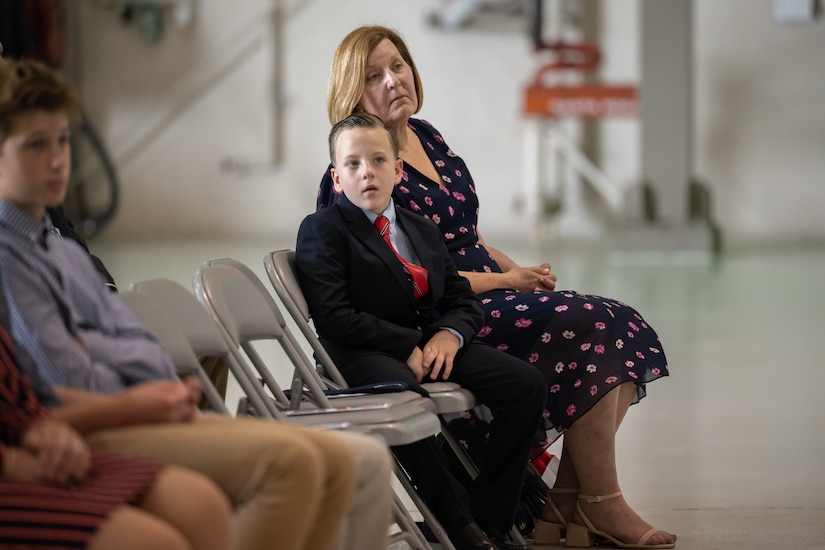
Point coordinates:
[(585, 345)]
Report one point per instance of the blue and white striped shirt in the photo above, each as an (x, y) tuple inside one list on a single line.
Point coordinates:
[(77, 333)]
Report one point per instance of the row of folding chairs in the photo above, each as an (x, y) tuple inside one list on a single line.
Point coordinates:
[(231, 313)]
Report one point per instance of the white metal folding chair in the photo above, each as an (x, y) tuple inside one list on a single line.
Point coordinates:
[(449, 397)]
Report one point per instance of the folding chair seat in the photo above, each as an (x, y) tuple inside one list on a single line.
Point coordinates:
[(186, 330)]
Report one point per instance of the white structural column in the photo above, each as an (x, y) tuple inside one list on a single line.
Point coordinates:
[(666, 92)]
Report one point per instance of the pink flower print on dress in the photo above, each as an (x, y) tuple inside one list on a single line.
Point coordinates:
[(488, 269), (544, 299), (571, 410), (559, 367), (632, 374), (523, 323), (446, 179), (633, 326), (458, 173), (577, 383), (522, 307), (610, 380), (450, 153), (569, 334), (573, 365), (594, 390), (439, 138), (629, 364), (428, 200), (555, 388), (439, 163), (510, 297), (630, 334), (599, 325), (619, 343), (591, 368), (462, 252), (546, 337), (451, 210), (640, 355), (655, 370), (599, 349), (436, 219), (561, 308), (484, 331), (533, 358), (588, 306), (414, 207), (459, 196), (654, 350), (495, 314), (585, 347), (449, 236), (406, 177), (430, 145), (486, 301), (463, 230), (502, 347)]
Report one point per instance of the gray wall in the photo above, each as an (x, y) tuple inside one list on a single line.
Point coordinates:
[(176, 112)]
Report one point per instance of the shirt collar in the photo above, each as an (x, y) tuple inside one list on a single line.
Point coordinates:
[(21, 223), (389, 213)]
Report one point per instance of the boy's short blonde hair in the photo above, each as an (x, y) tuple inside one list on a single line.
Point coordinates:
[(360, 120)]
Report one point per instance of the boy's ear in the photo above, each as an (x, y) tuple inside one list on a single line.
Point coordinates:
[(399, 169), (336, 181)]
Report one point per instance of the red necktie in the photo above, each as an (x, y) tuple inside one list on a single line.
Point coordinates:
[(419, 274)]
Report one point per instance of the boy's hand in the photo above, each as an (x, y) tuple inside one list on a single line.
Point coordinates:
[(439, 354), (163, 400), (62, 456), (414, 361)]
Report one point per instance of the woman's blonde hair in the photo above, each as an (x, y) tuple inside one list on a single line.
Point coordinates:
[(348, 72), (27, 86)]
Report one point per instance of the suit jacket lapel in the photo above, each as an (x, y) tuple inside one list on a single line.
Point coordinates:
[(365, 232)]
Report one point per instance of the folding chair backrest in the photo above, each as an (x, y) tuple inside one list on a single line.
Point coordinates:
[(157, 320), (280, 268), (204, 337), (247, 312)]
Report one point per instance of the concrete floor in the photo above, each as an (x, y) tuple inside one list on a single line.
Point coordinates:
[(728, 452)]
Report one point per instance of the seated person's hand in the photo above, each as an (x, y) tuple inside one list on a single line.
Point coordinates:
[(439, 354), (529, 279), (415, 362), (163, 400), (51, 452)]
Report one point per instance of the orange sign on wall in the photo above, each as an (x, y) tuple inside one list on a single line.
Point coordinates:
[(584, 101)]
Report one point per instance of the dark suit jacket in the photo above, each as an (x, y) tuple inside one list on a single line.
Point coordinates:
[(361, 298)]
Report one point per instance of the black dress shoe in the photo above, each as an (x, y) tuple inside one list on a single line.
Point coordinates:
[(472, 537)]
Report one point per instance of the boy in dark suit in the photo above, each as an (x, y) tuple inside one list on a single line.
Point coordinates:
[(389, 305)]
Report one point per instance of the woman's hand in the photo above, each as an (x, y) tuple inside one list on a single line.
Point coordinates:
[(529, 279), (52, 453)]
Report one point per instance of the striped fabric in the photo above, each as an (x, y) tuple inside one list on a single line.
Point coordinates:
[(41, 516)]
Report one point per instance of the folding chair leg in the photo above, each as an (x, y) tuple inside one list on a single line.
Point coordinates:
[(410, 533), (428, 516)]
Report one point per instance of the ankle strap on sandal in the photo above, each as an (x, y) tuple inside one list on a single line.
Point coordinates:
[(598, 498)]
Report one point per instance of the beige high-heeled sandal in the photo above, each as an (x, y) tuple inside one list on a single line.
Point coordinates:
[(546, 532), (584, 536)]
